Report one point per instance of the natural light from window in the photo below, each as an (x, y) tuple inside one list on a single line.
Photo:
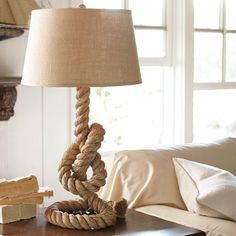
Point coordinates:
[(132, 115), (214, 66), (214, 118)]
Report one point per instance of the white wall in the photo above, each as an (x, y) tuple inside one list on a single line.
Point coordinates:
[(33, 141), (3, 148)]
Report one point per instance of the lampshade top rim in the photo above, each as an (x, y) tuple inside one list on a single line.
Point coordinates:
[(125, 11)]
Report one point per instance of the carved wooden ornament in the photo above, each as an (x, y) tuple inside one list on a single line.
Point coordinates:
[(8, 95), (7, 102)]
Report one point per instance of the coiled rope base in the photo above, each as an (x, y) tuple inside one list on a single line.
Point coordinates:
[(72, 175)]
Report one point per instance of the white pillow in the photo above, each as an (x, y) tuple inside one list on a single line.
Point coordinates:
[(206, 190)]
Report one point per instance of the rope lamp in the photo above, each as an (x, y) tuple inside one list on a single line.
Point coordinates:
[(82, 48)]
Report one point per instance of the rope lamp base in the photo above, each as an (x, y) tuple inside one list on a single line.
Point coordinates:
[(90, 212)]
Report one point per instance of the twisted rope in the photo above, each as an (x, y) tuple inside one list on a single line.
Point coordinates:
[(72, 175)]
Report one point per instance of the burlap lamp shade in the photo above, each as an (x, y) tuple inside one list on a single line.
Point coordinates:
[(82, 48)]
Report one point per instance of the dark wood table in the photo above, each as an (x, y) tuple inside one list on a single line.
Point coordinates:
[(135, 224)]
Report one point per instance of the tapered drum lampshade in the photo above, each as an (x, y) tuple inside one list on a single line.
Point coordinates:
[(81, 47)]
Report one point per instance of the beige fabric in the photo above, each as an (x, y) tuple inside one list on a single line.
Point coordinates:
[(16, 12), (206, 190), (21, 11), (6, 16), (81, 47), (212, 226), (136, 177), (146, 177)]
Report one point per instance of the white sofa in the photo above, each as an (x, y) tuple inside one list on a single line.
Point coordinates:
[(146, 178)]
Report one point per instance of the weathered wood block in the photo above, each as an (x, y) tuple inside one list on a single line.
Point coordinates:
[(19, 186), (32, 198), (12, 213), (22, 200)]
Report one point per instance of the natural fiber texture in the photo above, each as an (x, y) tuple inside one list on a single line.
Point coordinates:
[(72, 174), (81, 47), (15, 12), (21, 11)]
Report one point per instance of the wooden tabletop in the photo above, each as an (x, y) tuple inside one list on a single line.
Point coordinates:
[(135, 224)]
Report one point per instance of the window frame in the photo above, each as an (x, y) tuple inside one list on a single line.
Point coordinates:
[(167, 19), (190, 85)]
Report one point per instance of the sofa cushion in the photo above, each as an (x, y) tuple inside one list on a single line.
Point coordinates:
[(206, 190), (147, 177)]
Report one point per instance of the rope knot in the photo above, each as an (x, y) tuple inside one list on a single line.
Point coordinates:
[(81, 155)]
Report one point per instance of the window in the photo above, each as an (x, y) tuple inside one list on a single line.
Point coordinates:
[(152, 27), (214, 69), (131, 115), (150, 23), (135, 116)]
